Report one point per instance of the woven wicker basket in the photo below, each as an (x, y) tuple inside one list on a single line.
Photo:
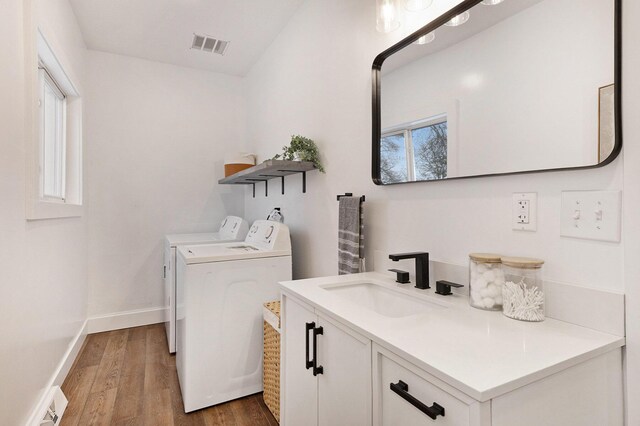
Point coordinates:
[(271, 362)]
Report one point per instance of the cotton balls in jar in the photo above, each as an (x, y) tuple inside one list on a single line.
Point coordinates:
[(486, 279)]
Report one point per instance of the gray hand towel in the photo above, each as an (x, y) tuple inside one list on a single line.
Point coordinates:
[(350, 236)]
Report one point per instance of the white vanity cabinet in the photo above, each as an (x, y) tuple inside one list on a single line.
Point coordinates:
[(431, 368), (340, 391)]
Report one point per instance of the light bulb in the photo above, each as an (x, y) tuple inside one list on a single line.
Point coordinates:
[(426, 39), (415, 5), (459, 19), (491, 2), (387, 16)]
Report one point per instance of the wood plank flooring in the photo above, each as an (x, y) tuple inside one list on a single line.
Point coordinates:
[(128, 377)]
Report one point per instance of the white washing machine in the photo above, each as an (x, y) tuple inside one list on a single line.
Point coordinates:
[(221, 289), (232, 228)]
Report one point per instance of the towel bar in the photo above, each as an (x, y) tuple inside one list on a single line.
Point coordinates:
[(349, 194)]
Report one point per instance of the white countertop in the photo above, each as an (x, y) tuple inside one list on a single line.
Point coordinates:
[(481, 353)]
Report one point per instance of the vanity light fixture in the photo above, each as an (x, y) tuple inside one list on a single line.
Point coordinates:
[(415, 5), (387, 16), (458, 19), (426, 39), (491, 2)]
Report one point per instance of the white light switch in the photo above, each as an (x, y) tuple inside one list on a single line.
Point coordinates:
[(592, 215), (525, 206)]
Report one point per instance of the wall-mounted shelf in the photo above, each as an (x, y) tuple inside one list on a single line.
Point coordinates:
[(270, 169)]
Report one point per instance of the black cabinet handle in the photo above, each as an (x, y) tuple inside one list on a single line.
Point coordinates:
[(402, 389), (316, 369), (308, 327)]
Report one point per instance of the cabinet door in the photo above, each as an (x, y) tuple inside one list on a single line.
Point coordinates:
[(299, 388), (344, 387)]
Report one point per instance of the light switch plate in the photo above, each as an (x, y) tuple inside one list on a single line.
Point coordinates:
[(591, 215), (524, 211)]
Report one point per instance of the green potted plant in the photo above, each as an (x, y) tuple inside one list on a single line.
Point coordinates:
[(301, 149)]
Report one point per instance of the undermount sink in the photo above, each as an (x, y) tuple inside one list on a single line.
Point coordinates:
[(382, 300)]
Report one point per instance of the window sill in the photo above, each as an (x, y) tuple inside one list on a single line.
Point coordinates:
[(40, 209)]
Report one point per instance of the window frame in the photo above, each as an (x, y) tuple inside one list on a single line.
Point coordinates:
[(42, 51), (406, 130), (45, 79)]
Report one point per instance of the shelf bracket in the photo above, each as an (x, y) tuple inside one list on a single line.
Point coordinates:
[(266, 186), (304, 178), (276, 176)]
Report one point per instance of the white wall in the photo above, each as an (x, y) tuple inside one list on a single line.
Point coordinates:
[(43, 263), (514, 109), (157, 137)]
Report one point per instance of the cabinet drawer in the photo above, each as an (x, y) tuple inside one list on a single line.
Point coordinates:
[(390, 408)]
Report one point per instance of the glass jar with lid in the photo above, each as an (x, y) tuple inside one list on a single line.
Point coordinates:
[(523, 290), (485, 281)]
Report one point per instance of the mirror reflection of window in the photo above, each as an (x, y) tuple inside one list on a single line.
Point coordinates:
[(416, 151), (393, 159), (430, 151)]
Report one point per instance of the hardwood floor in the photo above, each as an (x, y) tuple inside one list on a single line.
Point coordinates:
[(128, 377)]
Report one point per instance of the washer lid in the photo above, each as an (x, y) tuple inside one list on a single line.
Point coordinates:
[(203, 238), (207, 253)]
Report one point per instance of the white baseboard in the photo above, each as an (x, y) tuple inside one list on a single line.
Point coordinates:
[(59, 374), (119, 320), (70, 356), (94, 324)]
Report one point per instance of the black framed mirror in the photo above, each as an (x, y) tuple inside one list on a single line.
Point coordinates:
[(495, 88)]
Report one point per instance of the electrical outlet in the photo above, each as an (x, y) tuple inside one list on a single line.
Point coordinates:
[(524, 208), (523, 212)]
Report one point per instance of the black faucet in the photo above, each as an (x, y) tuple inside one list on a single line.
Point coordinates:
[(422, 266)]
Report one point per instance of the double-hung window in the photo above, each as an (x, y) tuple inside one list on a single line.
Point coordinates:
[(54, 157), (415, 151), (52, 107)]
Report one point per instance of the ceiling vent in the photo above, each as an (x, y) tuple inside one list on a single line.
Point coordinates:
[(209, 44)]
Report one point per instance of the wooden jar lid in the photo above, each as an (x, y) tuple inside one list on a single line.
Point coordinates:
[(485, 257), (523, 262)]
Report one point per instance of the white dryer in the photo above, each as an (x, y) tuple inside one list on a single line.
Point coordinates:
[(221, 289), (232, 228)]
